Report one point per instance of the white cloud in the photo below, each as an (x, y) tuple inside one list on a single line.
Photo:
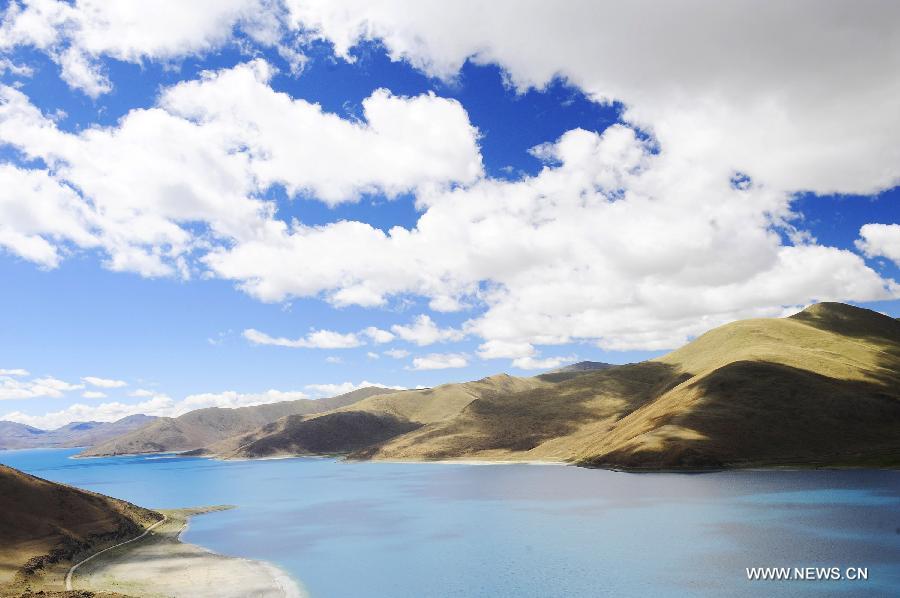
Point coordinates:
[(317, 339), (440, 361), (142, 393), (333, 359), (93, 394), (105, 412), (13, 387), (17, 70), (372, 355), (233, 399), (204, 155), (768, 95), (619, 241), (104, 382), (533, 363), (38, 215), (75, 35), (880, 240), (377, 335), (423, 331), (14, 372), (333, 390), (397, 353)]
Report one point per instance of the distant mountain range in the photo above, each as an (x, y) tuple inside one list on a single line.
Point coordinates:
[(821, 388), (14, 435), (43, 525)]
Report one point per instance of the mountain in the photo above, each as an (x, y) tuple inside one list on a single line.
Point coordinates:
[(575, 369), (14, 435), (369, 422), (43, 525), (821, 388), (200, 428)]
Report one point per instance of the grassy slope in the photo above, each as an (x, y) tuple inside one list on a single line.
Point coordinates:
[(819, 388), (203, 427), (43, 525)]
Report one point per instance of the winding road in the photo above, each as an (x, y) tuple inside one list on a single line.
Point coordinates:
[(80, 563)]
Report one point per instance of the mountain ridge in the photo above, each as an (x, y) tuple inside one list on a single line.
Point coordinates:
[(818, 388), (199, 428)]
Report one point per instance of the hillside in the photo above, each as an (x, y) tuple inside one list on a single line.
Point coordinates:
[(14, 435), (818, 388), (44, 524), (200, 428), (368, 422)]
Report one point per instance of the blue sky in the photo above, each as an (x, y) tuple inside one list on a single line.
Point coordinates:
[(568, 210)]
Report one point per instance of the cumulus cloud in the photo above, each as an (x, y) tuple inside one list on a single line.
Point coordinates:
[(76, 34), (609, 242), (377, 335), (440, 361), (423, 331), (778, 96), (204, 155), (12, 386), (880, 240), (317, 339), (104, 382), (93, 394), (397, 353), (633, 238)]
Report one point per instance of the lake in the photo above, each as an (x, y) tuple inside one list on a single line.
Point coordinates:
[(419, 530)]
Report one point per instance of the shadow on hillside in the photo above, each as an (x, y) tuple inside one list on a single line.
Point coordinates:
[(333, 433), (754, 412), (522, 421)]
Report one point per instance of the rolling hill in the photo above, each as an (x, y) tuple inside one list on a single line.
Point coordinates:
[(367, 422), (818, 388), (43, 525), (14, 435), (200, 428)]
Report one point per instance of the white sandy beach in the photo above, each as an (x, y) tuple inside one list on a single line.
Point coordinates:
[(161, 565)]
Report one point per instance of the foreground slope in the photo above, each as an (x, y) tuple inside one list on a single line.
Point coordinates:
[(819, 388), (203, 427), (43, 525)]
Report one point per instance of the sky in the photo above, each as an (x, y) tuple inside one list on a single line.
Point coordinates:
[(232, 202)]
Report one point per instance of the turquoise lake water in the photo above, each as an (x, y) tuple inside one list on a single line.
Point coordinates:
[(421, 530)]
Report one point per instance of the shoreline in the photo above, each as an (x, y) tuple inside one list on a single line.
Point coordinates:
[(161, 563)]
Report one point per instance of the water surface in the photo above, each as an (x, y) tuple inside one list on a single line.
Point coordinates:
[(418, 530)]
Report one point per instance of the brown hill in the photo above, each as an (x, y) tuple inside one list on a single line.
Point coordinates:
[(204, 427), (44, 525), (368, 422), (819, 388)]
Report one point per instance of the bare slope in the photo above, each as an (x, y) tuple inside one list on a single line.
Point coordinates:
[(818, 388), (203, 427), (369, 422), (43, 525), (15, 435)]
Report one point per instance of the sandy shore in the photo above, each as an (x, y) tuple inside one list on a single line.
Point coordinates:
[(161, 565)]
